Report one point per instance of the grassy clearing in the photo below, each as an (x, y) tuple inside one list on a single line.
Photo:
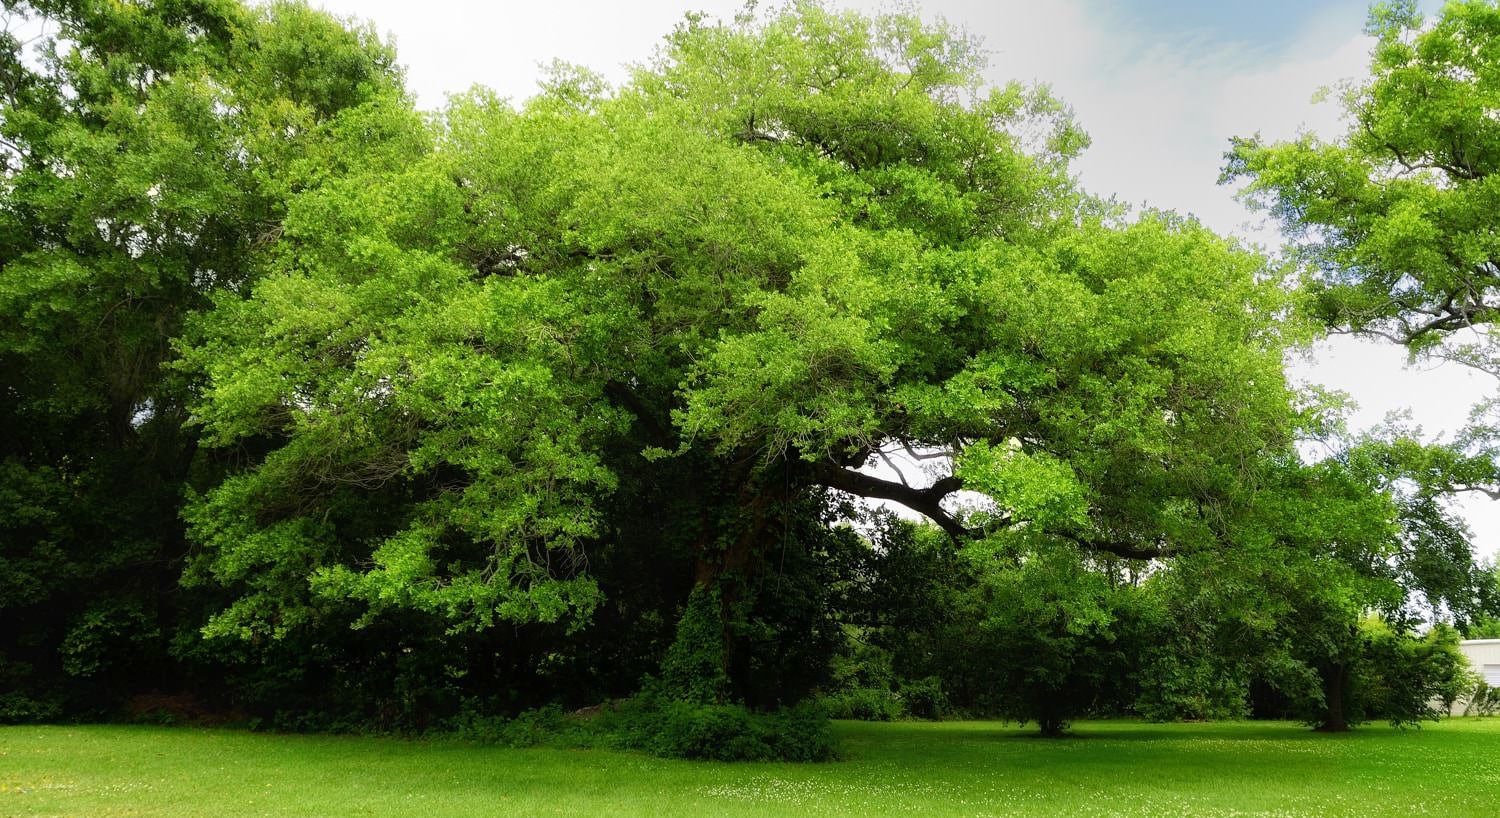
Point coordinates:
[(961, 768)]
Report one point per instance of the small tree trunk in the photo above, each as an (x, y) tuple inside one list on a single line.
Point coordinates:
[(1049, 717)]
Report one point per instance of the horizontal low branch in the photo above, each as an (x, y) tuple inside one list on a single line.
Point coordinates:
[(1119, 548), (927, 501)]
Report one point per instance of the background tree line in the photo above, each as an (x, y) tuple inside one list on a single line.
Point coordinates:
[(337, 415)]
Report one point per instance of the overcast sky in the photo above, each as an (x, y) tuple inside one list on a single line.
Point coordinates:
[(1160, 85)]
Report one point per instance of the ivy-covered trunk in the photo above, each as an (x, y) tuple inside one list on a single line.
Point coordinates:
[(698, 666)]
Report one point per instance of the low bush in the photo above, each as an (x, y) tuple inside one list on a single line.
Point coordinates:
[(924, 698), (18, 708), (718, 732), (1484, 701), (667, 727), (543, 726), (863, 704)]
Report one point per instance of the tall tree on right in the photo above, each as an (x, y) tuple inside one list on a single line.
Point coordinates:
[(1397, 223), (1397, 220)]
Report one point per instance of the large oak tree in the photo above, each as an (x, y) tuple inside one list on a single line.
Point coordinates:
[(789, 246)]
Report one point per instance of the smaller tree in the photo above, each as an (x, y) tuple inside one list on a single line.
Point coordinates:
[(1333, 566), (1185, 674), (1054, 621), (1407, 678)]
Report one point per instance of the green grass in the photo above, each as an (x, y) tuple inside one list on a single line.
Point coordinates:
[(961, 768)]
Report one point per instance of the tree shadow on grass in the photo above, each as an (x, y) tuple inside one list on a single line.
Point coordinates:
[(1091, 732)]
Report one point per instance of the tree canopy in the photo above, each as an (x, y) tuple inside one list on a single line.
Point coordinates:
[(147, 152), (1394, 226), (1395, 221), (375, 412), (785, 247)]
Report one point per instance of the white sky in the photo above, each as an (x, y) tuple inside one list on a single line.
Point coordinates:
[(1159, 103)]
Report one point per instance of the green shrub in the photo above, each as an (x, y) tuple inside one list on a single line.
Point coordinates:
[(543, 726), (665, 726), (1178, 683), (533, 727), (1403, 676), (801, 733), (1484, 701), (718, 732), (730, 732), (18, 708), (924, 699), (694, 667), (864, 704)]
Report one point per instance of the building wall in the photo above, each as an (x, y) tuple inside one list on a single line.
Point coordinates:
[(1484, 655)]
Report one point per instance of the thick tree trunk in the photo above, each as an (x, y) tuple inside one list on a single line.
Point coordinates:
[(1335, 718), (729, 570), (699, 663)]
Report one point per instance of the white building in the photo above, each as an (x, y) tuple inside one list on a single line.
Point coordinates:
[(1484, 656)]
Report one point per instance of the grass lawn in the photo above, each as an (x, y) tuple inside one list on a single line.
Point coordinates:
[(958, 768)]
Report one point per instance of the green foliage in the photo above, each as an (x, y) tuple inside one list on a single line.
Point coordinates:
[(1055, 623), (1410, 679), (1485, 627), (920, 699), (360, 419), (864, 704), (1402, 205), (541, 726), (790, 242), (721, 732), (1031, 635), (924, 698), (1323, 547), (147, 154), (1395, 222), (1481, 699), (784, 639), (19, 708), (1179, 683), (912, 612), (664, 725), (695, 666), (1192, 664), (1382, 671)]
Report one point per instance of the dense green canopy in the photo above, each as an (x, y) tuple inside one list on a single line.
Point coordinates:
[(353, 414), (147, 152), (1395, 225), (785, 247)]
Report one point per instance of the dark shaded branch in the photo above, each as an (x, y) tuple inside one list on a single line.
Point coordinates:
[(927, 502), (937, 455), (1129, 551), (654, 428), (897, 469)]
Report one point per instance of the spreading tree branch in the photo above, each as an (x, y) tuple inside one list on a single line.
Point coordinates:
[(927, 502), (1119, 548)]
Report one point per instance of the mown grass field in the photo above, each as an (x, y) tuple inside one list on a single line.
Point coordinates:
[(959, 768)]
